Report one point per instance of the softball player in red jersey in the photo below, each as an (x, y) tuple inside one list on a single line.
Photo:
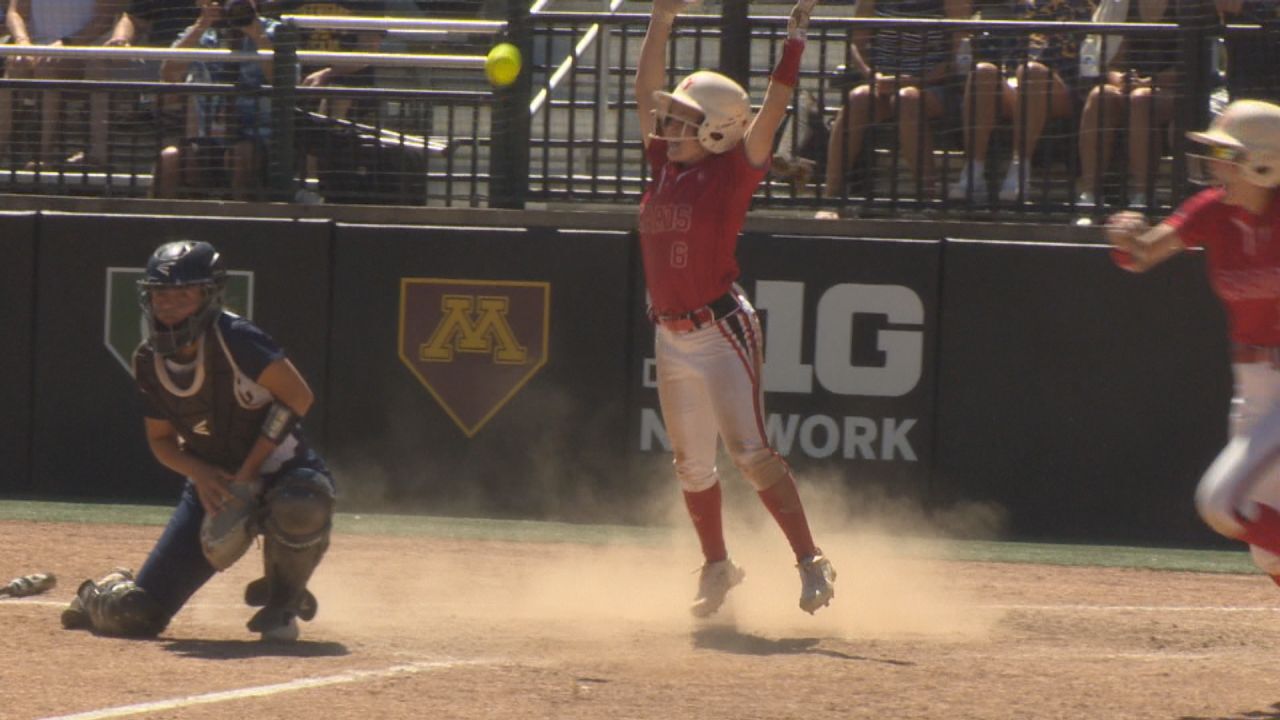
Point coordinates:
[(1238, 225), (707, 153)]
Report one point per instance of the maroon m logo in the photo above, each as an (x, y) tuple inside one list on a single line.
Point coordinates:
[(473, 343)]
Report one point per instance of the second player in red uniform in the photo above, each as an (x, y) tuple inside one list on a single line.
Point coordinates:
[(1237, 222)]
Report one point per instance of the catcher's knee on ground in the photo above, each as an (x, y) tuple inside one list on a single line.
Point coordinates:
[(299, 515), (115, 605)]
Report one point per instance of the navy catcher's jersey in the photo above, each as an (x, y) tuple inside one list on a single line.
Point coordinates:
[(217, 406)]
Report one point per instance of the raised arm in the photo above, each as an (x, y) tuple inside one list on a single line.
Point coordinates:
[(651, 71), (758, 142), (175, 71)]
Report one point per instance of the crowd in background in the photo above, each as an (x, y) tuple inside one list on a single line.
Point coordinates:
[(210, 142), (1021, 93), (1091, 89)]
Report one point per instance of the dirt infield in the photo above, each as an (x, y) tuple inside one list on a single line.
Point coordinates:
[(421, 627)]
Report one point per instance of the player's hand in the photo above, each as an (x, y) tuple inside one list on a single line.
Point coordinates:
[(213, 487), (1124, 228), (798, 23)]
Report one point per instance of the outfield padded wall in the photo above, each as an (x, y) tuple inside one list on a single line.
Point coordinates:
[(532, 436), (17, 297), (1082, 399)]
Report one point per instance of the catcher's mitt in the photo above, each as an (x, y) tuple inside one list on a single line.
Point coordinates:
[(227, 535)]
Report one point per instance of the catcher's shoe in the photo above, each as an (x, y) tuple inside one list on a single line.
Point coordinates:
[(714, 583), (817, 583), (76, 616), (275, 625), (285, 633), (258, 593)]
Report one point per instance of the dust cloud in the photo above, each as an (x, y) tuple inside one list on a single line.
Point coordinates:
[(894, 579)]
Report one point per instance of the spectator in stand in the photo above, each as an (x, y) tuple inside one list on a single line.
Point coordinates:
[(226, 142), (56, 23), (314, 142), (1044, 86), (1252, 59), (158, 23), (322, 40), (905, 76), (1139, 86)]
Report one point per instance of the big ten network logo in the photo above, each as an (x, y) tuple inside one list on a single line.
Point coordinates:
[(473, 343), (867, 340), (124, 326)]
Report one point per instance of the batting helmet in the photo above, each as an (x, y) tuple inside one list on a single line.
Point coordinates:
[(181, 264), (725, 109), (1246, 134)]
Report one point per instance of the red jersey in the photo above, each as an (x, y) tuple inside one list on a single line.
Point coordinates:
[(690, 217), (1243, 255)]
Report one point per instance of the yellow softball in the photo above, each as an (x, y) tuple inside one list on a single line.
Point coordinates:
[(502, 65)]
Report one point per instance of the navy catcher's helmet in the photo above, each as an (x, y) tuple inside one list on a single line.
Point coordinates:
[(181, 264)]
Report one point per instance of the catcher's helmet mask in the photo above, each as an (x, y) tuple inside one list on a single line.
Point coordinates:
[(180, 264), (1246, 135)]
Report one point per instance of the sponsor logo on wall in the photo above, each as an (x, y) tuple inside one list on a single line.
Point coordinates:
[(863, 341), (123, 326), (473, 344)]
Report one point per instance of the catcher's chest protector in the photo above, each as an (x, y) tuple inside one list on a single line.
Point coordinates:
[(219, 417)]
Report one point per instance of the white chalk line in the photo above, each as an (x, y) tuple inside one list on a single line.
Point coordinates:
[(1139, 608), (267, 690), (994, 606)]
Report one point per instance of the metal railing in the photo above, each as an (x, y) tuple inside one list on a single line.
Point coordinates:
[(567, 130)]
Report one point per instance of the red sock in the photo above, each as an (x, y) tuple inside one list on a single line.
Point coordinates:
[(704, 510), (1275, 579), (1265, 531), (783, 502)]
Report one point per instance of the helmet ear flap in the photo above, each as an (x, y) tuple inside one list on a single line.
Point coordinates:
[(725, 108), (1263, 171)]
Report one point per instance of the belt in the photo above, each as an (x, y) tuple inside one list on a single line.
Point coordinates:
[(698, 318), (1255, 354)]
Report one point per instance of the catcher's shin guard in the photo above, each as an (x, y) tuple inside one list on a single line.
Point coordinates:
[(115, 605), (299, 514)]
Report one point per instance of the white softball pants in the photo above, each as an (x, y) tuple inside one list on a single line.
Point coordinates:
[(709, 386), (1246, 472)]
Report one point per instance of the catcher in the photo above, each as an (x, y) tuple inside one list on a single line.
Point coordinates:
[(222, 405)]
